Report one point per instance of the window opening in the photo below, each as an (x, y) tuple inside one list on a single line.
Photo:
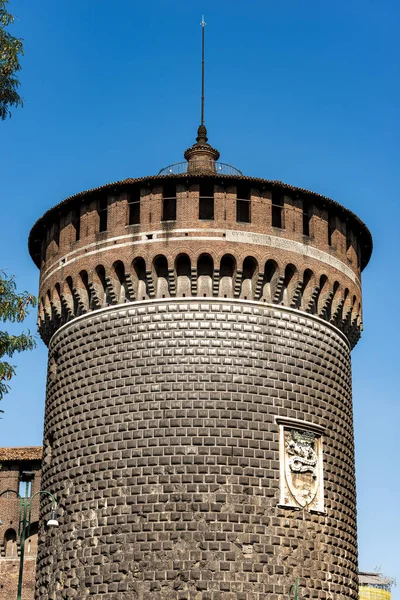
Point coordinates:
[(206, 201), (134, 208), (169, 202), (25, 484), (103, 210), (57, 232), (277, 210), (76, 222), (243, 204)]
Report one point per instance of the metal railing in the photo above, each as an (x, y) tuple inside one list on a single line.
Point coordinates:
[(182, 167)]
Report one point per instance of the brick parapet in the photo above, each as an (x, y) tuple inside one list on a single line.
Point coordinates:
[(187, 217), (324, 274)]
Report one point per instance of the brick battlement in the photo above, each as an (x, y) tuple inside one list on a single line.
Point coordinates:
[(201, 237)]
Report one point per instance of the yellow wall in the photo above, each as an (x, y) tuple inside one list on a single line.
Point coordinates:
[(369, 593)]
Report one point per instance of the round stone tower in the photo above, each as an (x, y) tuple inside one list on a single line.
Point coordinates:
[(198, 429)]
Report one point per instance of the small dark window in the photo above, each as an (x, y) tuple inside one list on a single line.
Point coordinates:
[(25, 489), (169, 209), (206, 201), (169, 190), (243, 204), (103, 210), (306, 217), (25, 483), (76, 222), (331, 227), (169, 202), (134, 208), (57, 232), (277, 210)]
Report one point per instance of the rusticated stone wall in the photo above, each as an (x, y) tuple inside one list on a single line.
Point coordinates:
[(162, 447)]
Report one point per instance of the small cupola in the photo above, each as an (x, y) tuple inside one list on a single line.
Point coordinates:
[(201, 156)]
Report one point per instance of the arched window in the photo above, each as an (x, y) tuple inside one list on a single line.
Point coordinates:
[(74, 301), (307, 289), (269, 281), (119, 270), (288, 284), (249, 274), (183, 276), (85, 290), (101, 285), (323, 295), (139, 267), (226, 273), (57, 302), (205, 270), (10, 543), (161, 276), (330, 309)]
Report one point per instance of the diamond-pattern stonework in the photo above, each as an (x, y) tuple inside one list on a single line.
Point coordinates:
[(162, 447)]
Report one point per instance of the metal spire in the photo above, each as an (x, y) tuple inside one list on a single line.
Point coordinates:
[(203, 24), (201, 156)]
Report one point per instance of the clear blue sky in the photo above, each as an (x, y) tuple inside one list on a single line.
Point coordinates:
[(305, 92)]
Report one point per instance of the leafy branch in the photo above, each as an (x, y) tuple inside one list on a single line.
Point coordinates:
[(10, 50), (14, 307)]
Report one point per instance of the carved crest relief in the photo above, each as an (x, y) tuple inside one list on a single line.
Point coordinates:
[(301, 469)]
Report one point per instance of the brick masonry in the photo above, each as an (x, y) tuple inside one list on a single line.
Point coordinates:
[(9, 570), (318, 272), (13, 462), (162, 448)]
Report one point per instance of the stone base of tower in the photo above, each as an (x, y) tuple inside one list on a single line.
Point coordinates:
[(163, 447)]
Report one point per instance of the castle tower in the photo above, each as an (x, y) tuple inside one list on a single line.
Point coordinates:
[(198, 429)]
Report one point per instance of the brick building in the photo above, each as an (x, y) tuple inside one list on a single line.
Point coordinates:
[(198, 428), (19, 472), (375, 586)]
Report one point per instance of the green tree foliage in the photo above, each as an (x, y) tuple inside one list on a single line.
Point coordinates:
[(14, 307), (10, 49)]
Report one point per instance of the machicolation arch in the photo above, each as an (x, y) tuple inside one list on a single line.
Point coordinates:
[(251, 278)]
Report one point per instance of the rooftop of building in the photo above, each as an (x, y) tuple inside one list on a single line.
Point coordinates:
[(374, 579), (21, 453)]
